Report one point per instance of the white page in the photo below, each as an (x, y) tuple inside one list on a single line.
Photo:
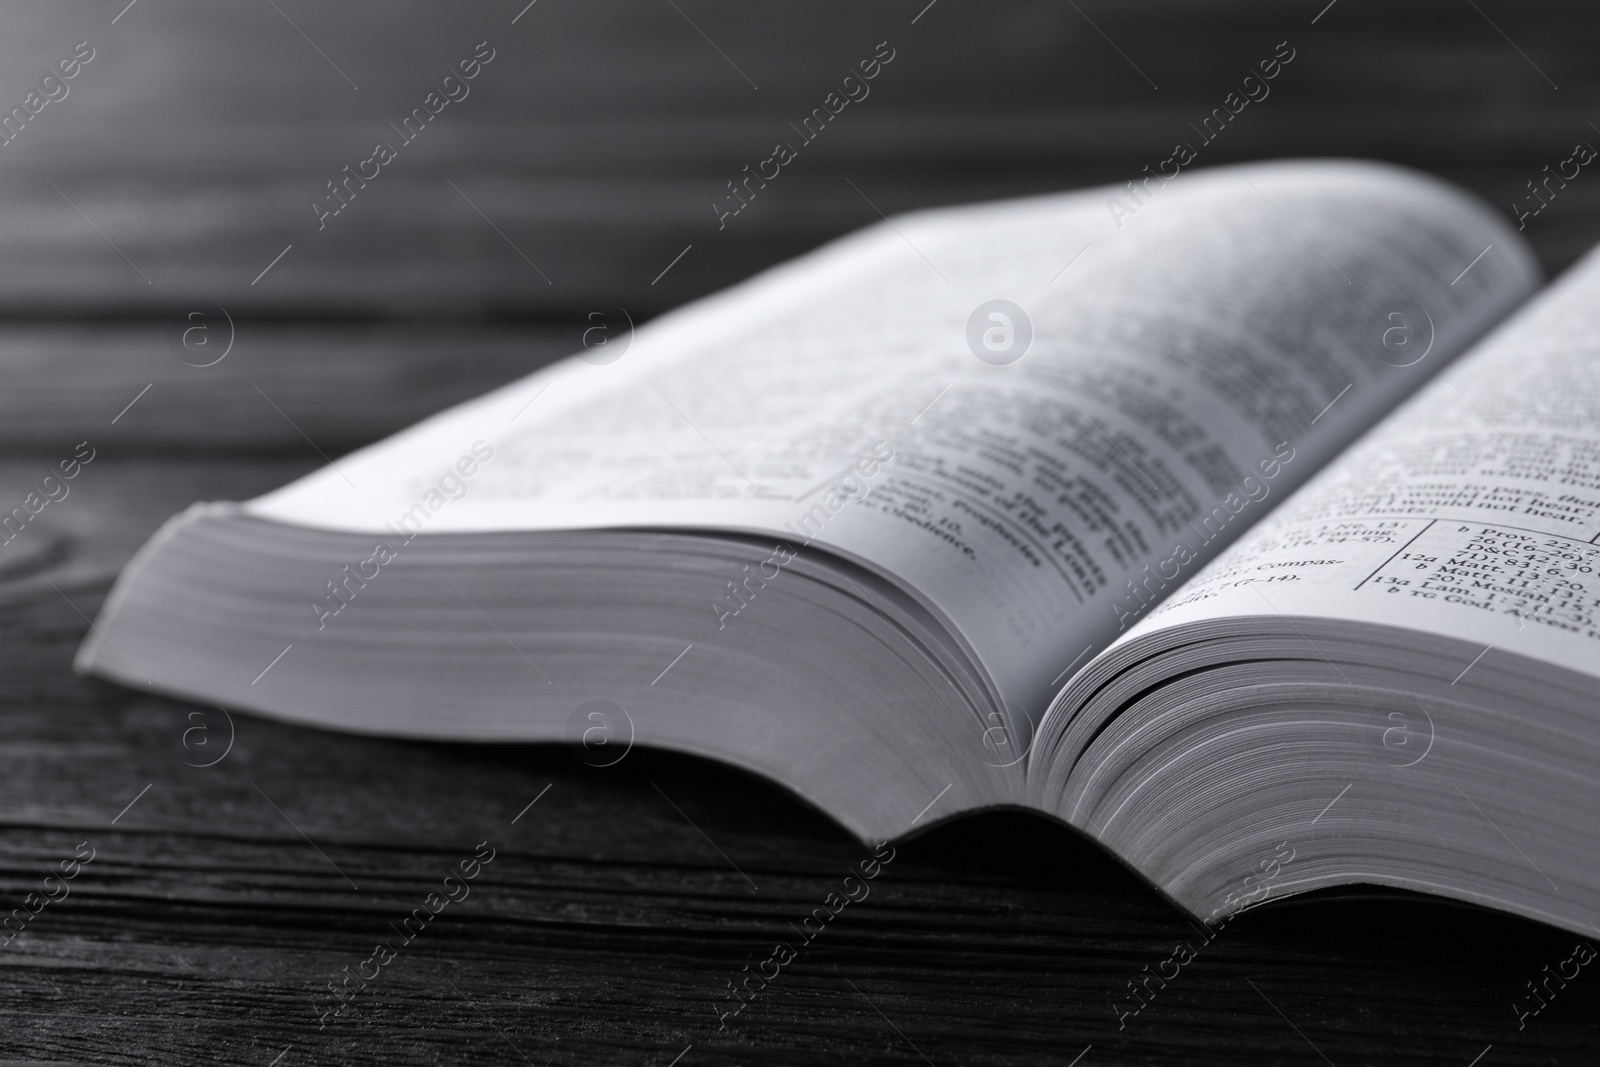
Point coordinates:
[(1472, 512), (1173, 351)]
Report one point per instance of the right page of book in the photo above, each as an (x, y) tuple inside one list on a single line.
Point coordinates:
[(1472, 512)]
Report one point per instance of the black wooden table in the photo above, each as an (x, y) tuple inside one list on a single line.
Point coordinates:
[(240, 866)]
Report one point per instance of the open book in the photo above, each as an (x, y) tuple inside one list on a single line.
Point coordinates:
[(1182, 524)]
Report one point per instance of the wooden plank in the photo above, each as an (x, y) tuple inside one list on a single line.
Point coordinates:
[(284, 386), (590, 151)]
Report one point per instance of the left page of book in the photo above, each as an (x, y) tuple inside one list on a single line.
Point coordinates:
[(1008, 409)]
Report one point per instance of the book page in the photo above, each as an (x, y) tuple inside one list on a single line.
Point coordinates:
[(1009, 410), (1472, 512)]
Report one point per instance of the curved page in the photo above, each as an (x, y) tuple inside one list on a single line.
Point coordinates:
[(1150, 376)]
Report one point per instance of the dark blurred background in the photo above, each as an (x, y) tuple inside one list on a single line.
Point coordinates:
[(177, 175), (591, 149), (599, 136)]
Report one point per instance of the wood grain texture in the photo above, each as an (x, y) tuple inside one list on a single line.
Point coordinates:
[(598, 138), (620, 906), (285, 387)]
